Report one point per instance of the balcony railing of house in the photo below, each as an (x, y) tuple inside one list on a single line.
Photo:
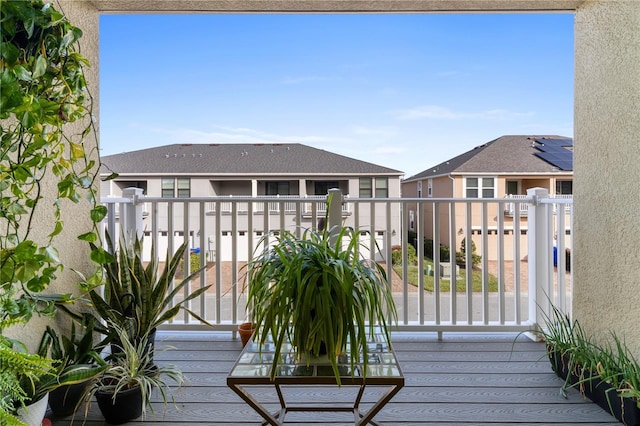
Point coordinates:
[(313, 202), (523, 208), (518, 276)]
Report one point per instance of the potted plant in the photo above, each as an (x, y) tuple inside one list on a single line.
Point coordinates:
[(27, 380), (318, 292), (605, 373), (135, 295), (76, 352), (18, 366), (123, 390)]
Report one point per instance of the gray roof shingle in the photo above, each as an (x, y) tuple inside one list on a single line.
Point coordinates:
[(238, 159), (512, 154)]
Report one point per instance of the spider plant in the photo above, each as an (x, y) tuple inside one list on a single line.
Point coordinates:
[(132, 369), (318, 292)]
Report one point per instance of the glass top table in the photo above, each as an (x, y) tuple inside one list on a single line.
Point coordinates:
[(253, 368)]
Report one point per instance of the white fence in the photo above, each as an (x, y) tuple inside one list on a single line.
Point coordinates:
[(519, 272)]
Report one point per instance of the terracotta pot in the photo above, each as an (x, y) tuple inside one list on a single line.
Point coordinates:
[(246, 330)]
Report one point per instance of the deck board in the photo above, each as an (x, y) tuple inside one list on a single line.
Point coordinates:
[(464, 379)]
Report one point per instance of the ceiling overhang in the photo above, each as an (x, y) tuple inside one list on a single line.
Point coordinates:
[(348, 6)]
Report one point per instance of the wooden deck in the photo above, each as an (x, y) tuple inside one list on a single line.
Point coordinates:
[(468, 379)]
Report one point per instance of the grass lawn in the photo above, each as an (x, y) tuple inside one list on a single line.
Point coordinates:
[(445, 284)]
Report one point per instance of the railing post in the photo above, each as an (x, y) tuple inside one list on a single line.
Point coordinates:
[(335, 209), (131, 214), (538, 257)]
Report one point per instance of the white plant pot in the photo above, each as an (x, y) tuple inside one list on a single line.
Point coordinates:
[(34, 413)]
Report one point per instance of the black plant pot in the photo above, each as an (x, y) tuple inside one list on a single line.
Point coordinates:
[(600, 392), (64, 400), (624, 410), (127, 405)]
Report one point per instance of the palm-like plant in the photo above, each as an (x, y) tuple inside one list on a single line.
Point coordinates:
[(321, 294)]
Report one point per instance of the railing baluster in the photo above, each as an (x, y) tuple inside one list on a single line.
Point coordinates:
[(224, 224)]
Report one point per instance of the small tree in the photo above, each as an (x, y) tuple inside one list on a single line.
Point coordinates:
[(461, 256)]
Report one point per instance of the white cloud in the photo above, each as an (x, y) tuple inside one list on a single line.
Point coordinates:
[(434, 112)]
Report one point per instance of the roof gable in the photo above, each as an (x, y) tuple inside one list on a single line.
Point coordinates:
[(246, 159), (512, 154)]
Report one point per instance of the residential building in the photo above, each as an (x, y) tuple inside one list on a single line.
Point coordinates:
[(503, 168), (249, 170)]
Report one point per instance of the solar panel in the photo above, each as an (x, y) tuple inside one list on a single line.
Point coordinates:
[(557, 152)]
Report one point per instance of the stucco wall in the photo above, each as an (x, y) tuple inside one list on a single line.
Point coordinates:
[(73, 253), (607, 170)]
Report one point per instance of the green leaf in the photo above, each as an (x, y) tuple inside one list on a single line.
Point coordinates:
[(101, 256), (58, 229), (77, 151), (40, 67), (98, 213), (22, 73), (89, 237), (51, 254), (10, 53), (110, 177)]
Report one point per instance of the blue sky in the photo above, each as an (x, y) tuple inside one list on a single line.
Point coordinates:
[(405, 91)]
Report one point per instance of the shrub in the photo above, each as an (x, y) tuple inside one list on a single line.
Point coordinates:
[(461, 258), (396, 255), (194, 261)]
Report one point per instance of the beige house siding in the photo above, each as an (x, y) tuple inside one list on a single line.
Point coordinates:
[(453, 187)]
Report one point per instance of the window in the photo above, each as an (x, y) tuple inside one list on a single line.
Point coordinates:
[(419, 189), (480, 187), (167, 188), (382, 187), (512, 187), (367, 189), (564, 187), (277, 188), (430, 188), (322, 188), (184, 188)]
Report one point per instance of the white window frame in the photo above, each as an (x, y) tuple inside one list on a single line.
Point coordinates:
[(480, 187)]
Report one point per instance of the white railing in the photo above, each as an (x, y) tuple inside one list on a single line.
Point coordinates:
[(523, 208), (314, 202), (510, 293)]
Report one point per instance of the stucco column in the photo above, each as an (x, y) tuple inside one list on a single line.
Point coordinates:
[(74, 254), (607, 169)]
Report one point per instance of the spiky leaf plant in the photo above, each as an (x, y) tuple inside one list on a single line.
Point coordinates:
[(135, 295)]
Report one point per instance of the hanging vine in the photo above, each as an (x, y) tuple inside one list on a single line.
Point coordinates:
[(45, 120), (42, 91)]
